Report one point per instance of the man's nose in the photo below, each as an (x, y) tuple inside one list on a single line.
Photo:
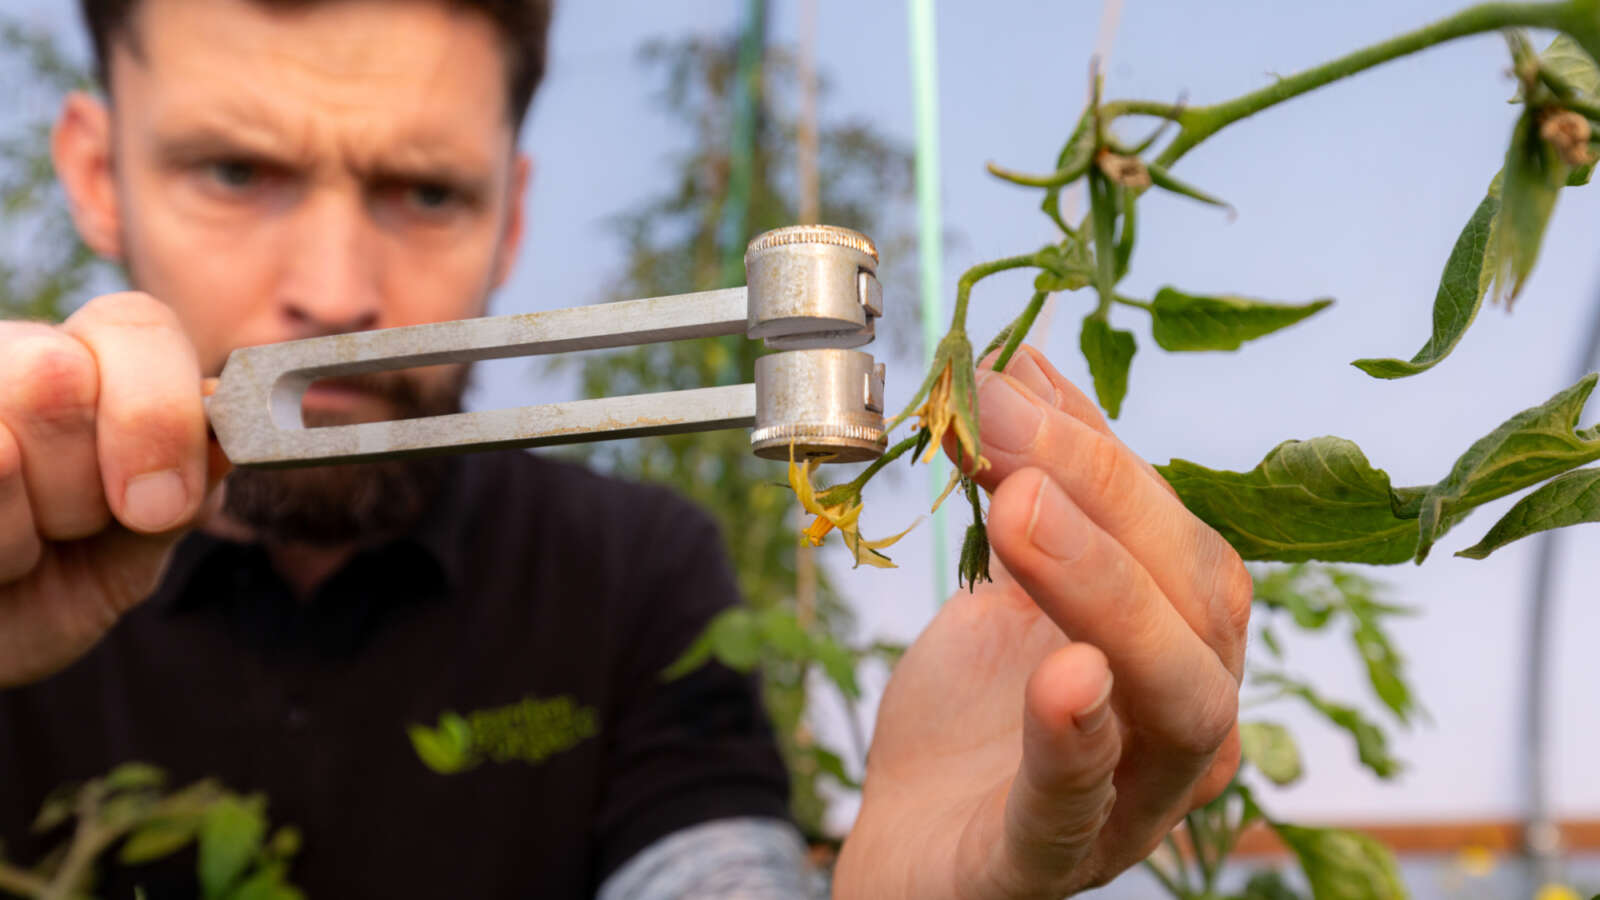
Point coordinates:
[(333, 273)]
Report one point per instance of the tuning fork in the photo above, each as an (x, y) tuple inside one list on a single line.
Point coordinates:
[(812, 295)]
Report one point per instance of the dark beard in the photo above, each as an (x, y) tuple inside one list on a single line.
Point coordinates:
[(354, 502)]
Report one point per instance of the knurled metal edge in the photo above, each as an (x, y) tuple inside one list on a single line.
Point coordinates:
[(787, 433), (814, 234)]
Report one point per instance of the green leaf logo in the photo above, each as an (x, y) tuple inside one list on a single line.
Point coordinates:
[(446, 749)]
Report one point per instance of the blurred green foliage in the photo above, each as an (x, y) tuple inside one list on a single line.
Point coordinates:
[(44, 267)]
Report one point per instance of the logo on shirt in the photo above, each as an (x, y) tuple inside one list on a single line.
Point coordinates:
[(531, 731)]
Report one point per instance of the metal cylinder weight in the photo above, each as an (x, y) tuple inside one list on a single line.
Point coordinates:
[(827, 403)]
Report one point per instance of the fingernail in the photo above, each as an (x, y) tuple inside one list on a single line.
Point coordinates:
[(1092, 717), (1023, 368), (1009, 419), (1057, 528), (155, 501)]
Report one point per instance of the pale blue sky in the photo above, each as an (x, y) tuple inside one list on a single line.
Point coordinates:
[(1356, 193)]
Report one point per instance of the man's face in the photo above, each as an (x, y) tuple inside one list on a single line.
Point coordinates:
[(287, 173), (281, 173)]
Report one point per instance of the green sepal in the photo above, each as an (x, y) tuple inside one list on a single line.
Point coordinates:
[(1163, 179)]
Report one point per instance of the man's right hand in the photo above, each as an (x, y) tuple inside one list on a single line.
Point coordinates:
[(103, 464)]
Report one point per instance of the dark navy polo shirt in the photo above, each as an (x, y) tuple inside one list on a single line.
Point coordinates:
[(539, 603)]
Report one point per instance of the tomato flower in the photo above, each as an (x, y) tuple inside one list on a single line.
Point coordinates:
[(837, 507)]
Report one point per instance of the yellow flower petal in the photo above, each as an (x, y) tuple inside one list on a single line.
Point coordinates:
[(1554, 891)]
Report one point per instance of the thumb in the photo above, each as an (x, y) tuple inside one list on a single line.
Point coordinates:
[(1063, 794)]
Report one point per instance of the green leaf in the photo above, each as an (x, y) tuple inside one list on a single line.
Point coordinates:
[(1533, 175), (1527, 448), (1460, 295), (1067, 267), (285, 842), (696, 655), (1316, 499), (1271, 749), (1269, 639), (838, 663), (446, 749), (829, 762), (135, 776), (736, 639), (782, 633), (267, 883), (59, 805), (1109, 353), (1570, 499), (157, 838), (1384, 665), (1343, 865), (1268, 884), (230, 837), (1372, 747), (1193, 322)]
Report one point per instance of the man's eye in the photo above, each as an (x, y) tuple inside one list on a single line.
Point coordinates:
[(234, 173), (432, 196)]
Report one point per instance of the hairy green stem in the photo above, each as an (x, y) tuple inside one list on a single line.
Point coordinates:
[(1129, 301), (1019, 329), (958, 321), (1172, 112), (1199, 123), (889, 456)]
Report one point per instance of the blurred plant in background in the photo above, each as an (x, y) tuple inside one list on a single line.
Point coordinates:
[(130, 811), (44, 267), (678, 242)]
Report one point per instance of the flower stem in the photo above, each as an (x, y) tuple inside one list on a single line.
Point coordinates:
[(958, 322), (1019, 329), (889, 456), (1199, 123)]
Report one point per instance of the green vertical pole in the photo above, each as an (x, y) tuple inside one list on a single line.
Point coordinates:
[(930, 244), (741, 155)]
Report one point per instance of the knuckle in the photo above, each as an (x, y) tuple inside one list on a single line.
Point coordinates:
[(1104, 466), (1238, 593), (53, 384), (1216, 709), (128, 309)]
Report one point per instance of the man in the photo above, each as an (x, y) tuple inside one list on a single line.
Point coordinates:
[(275, 170)]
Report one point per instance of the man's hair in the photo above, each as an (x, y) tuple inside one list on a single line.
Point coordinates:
[(523, 25)]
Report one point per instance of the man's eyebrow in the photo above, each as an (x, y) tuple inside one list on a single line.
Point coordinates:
[(421, 158)]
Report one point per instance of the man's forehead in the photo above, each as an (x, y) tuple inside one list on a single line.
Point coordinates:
[(410, 72)]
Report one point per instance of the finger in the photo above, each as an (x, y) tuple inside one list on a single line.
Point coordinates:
[(1190, 563), (19, 540), (150, 422), (1063, 791), (1168, 680), (1030, 367), (48, 403)]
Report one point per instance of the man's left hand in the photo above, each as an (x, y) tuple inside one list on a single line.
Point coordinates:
[(1046, 731)]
